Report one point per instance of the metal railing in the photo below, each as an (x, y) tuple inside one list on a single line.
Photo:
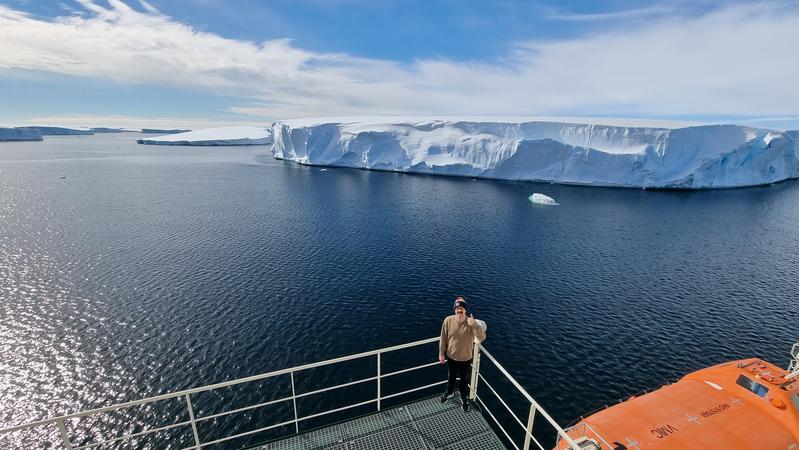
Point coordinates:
[(534, 409), (794, 364), (582, 429), (60, 422)]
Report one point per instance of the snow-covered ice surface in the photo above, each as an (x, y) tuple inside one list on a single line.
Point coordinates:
[(710, 156), (107, 130), (20, 134), (60, 131), (241, 135), (542, 199), (160, 131)]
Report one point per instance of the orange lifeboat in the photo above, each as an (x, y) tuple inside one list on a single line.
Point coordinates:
[(748, 404)]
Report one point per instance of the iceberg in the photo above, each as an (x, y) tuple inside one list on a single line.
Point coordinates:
[(159, 131), (60, 131), (19, 134), (594, 154), (541, 199), (98, 130), (241, 135)]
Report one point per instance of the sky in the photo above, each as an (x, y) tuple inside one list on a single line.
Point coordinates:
[(202, 63)]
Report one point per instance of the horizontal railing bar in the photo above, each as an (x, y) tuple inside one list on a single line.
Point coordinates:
[(227, 413), (305, 394), (435, 363), (320, 414), (497, 422), (414, 390), (133, 435), (246, 433), (597, 434), (508, 376), (211, 387), (541, 447), (538, 407), (503, 402), (561, 433), (336, 410)]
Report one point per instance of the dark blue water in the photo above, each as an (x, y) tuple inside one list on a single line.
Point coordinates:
[(152, 269)]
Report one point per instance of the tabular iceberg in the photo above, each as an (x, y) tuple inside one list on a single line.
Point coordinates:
[(160, 131), (102, 130), (61, 131), (712, 156), (242, 135), (19, 134)]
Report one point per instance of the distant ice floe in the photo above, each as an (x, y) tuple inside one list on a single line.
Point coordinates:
[(60, 131), (104, 130), (19, 134), (160, 131), (241, 135), (541, 199), (713, 156)]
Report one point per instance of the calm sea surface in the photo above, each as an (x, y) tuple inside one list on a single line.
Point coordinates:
[(151, 269)]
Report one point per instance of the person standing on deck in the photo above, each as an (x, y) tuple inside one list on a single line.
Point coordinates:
[(456, 347)]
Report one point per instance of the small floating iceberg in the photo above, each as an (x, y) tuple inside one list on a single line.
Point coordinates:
[(541, 199)]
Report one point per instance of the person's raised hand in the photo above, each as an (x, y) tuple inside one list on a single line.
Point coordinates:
[(441, 359), (470, 320)]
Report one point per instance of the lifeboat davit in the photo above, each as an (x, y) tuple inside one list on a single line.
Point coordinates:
[(748, 404)]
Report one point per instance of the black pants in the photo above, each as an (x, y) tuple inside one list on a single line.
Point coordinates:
[(462, 370)]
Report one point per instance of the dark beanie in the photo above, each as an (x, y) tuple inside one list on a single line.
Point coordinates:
[(459, 301)]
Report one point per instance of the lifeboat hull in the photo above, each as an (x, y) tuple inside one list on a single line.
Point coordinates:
[(747, 404)]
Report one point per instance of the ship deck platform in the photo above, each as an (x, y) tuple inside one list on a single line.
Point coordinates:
[(424, 425)]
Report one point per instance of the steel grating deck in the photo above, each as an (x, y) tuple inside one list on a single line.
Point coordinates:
[(424, 425)]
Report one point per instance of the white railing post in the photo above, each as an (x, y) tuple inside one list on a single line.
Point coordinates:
[(62, 429), (294, 399), (193, 423), (378, 381), (529, 433), (475, 370)]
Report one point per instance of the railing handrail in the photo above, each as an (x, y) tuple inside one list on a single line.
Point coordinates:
[(524, 392), (585, 425), (186, 393), (534, 405), (793, 366), (215, 386)]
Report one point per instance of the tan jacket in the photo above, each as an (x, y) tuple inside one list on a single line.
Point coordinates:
[(457, 339)]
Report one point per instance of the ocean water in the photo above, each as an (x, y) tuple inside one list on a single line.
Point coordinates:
[(128, 271)]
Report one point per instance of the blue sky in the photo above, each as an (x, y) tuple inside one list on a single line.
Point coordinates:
[(198, 63)]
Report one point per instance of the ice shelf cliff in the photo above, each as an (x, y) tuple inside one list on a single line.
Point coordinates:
[(712, 156), (240, 135)]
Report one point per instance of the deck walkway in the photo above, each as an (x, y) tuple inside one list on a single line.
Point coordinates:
[(423, 425)]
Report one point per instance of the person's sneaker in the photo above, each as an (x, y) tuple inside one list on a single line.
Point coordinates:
[(445, 397), (465, 406)]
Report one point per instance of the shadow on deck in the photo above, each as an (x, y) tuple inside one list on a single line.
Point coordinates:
[(423, 425)]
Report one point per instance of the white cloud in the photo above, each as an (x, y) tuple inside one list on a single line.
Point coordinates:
[(735, 61), (149, 7), (628, 14)]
